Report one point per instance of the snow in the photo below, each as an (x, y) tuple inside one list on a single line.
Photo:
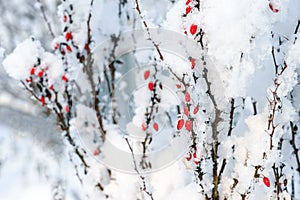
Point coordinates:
[(237, 42), (22, 59)]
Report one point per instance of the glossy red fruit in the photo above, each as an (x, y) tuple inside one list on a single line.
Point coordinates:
[(186, 111), (96, 152), (56, 46), (151, 86), (144, 126), (266, 181), (197, 161), (187, 2), (180, 124), (178, 86), (67, 109), (40, 74), (188, 125), (193, 29), (69, 48), (65, 18), (196, 109), (86, 47), (187, 97), (64, 78), (32, 71), (51, 87), (195, 155), (42, 100), (146, 74), (155, 126), (275, 10), (189, 157), (188, 10), (69, 36), (193, 62)]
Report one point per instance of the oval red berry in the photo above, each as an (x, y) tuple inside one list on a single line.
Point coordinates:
[(189, 157), (144, 126), (193, 29), (186, 111), (155, 126), (180, 124), (196, 109), (187, 97), (266, 181), (42, 99), (40, 74), (188, 10), (146, 74), (188, 125), (32, 71), (193, 62), (64, 78), (96, 152), (151, 86), (67, 109), (69, 36)]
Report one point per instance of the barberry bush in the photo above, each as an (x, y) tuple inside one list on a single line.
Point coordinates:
[(195, 99)]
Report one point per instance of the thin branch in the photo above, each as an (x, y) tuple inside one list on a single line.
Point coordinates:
[(215, 133), (46, 19), (138, 172)]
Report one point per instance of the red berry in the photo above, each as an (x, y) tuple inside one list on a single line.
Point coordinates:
[(69, 36), (193, 62), (195, 155), (151, 86), (65, 18), (196, 109), (32, 71), (197, 161), (187, 97), (69, 48), (275, 10), (188, 10), (51, 87), (86, 47), (266, 181), (56, 46), (144, 126), (186, 111), (155, 126), (67, 109), (40, 74), (42, 100), (188, 125), (193, 29), (64, 78), (178, 86), (146, 74), (96, 152), (180, 124), (189, 157), (187, 2)]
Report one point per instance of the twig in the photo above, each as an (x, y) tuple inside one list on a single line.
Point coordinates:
[(148, 30), (138, 172), (215, 133), (46, 19), (231, 117)]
